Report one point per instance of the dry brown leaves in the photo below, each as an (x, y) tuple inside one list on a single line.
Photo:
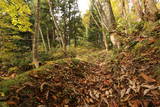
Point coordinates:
[(126, 83)]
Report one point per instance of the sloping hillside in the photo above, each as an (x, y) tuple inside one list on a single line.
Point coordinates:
[(129, 77)]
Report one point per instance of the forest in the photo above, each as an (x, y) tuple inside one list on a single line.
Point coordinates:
[(54, 55)]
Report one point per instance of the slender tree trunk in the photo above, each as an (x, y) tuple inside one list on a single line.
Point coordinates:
[(138, 9), (58, 30), (42, 36), (75, 37), (75, 41), (123, 8), (53, 36), (36, 36), (105, 17), (69, 36), (48, 39), (105, 41), (102, 19)]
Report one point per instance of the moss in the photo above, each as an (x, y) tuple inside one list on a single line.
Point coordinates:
[(157, 70), (61, 61), (75, 61), (3, 104), (5, 84)]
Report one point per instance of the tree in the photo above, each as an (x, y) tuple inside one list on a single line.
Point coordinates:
[(36, 35), (105, 17), (146, 9), (110, 19), (65, 15), (93, 27), (15, 31), (138, 9), (16, 12)]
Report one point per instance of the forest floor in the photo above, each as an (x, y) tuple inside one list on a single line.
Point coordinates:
[(129, 78)]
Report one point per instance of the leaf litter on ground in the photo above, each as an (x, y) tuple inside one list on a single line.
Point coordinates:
[(128, 82)]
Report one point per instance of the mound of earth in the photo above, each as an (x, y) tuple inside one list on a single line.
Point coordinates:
[(128, 82)]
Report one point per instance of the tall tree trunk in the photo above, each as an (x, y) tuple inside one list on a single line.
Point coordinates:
[(75, 41), (36, 35), (58, 30), (124, 11), (53, 36), (42, 36), (105, 17), (123, 8), (105, 41), (48, 39), (110, 19), (138, 9)]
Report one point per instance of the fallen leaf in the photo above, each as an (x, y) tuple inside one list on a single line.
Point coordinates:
[(47, 94), (54, 97), (66, 106), (107, 93), (113, 104), (123, 92), (135, 103), (156, 103), (66, 101), (11, 103), (152, 87), (128, 91), (40, 100), (147, 78), (146, 91), (42, 86), (30, 84), (13, 75), (18, 90), (107, 82)]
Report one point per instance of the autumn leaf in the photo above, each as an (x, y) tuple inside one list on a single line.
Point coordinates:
[(147, 78), (135, 103), (11, 103)]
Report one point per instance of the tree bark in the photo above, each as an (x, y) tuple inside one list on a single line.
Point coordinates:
[(110, 19), (106, 18), (123, 8), (105, 41), (58, 30), (53, 36), (138, 9), (42, 36), (48, 40), (36, 36)]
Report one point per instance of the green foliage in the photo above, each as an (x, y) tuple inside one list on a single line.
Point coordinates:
[(3, 104), (15, 27), (6, 84), (18, 12), (130, 27), (149, 29), (11, 57), (13, 69)]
